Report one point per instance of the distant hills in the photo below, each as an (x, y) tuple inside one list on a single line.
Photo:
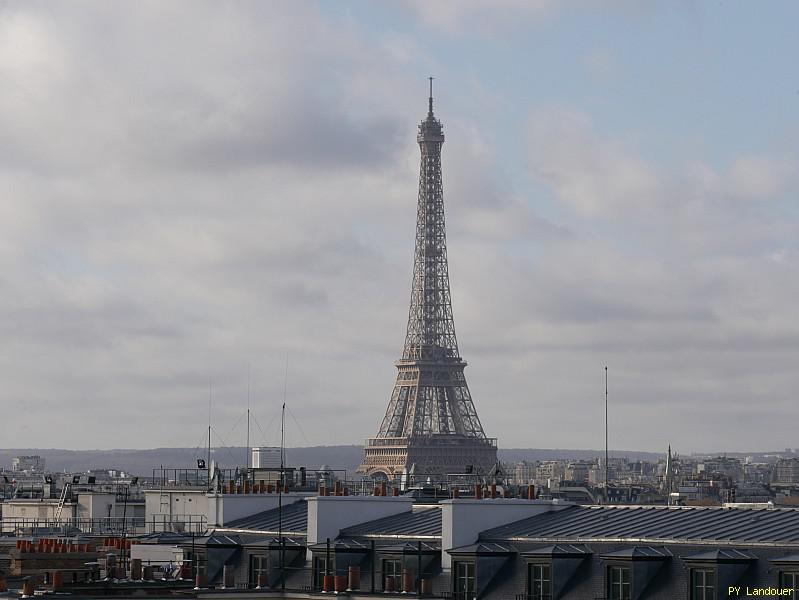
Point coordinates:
[(142, 462)]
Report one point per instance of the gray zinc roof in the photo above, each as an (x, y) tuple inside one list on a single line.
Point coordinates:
[(411, 548), (640, 553), (696, 525), (421, 523), (791, 558), (294, 521), (723, 555), (340, 545), (558, 550), (482, 549)]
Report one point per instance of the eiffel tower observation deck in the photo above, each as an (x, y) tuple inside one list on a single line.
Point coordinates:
[(431, 427)]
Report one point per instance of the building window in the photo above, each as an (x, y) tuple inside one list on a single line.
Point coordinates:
[(619, 583), (539, 581), (392, 575), (703, 584), (319, 570), (258, 566), (790, 579), (464, 580)]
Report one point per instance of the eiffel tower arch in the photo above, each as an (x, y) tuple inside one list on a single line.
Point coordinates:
[(431, 426)]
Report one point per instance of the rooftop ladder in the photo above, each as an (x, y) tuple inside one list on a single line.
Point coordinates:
[(62, 500)]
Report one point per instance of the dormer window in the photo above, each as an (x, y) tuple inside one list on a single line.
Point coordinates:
[(703, 584), (539, 581), (464, 580), (790, 579), (630, 571), (717, 570), (551, 570), (619, 587)]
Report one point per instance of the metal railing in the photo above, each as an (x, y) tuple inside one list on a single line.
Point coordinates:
[(110, 525), (178, 478), (189, 524)]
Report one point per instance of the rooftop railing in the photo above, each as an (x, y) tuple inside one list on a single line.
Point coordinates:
[(188, 524), (404, 441)]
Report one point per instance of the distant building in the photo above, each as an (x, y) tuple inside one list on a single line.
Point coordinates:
[(758, 472), (721, 465), (579, 471), (786, 471), (266, 457), (550, 470), (31, 464), (524, 472)]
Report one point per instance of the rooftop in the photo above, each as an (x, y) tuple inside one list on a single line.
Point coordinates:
[(420, 523), (655, 524), (294, 521)]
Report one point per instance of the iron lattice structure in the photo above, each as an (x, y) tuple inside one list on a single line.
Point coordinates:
[(431, 426)]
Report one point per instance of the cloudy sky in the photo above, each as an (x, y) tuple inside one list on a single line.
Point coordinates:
[(189, 191)]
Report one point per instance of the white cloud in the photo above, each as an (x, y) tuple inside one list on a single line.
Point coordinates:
[(759, 177), (182, 201), (483, 16), (591, 175), (187, 192)]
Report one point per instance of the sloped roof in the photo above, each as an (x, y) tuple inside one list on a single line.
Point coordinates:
[(411, 548), (483, 549), (339, 545), (559, 550), (163, 537), (723, 555), (294, 521), (221, 540), (640, 553), (420, 523), (791, 558), (273, 542), (656, 524)]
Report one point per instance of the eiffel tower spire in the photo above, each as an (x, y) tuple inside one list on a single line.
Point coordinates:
[(431, 423)]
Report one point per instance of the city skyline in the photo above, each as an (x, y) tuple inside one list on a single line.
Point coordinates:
[(195, 192)]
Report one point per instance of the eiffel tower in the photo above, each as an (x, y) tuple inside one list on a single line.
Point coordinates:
[(431, 427)]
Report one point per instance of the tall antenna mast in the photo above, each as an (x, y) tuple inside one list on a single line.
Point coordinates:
[(248, 450), (208, 464), (282, 482), (606, 435), (283, 414)]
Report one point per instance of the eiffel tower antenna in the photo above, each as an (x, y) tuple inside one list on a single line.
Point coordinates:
[(430, 110), (431, 426)]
